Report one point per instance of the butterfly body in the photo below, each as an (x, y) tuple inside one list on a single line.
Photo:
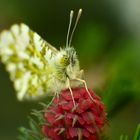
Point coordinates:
[(35, 66)]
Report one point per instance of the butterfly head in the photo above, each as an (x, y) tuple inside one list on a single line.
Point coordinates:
[(72, 69), (68, 62)]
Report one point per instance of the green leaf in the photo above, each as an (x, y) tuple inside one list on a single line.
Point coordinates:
[(123, 137), (34, 131), (137, 133)]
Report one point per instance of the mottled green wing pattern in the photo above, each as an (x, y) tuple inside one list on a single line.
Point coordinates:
[(25, 55)]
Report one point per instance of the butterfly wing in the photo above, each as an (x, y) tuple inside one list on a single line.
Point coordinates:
[(24, 54)]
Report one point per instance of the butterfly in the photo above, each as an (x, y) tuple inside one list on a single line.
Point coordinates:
[(35, 66)]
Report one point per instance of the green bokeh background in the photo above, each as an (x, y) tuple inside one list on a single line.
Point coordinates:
[(107, 41)]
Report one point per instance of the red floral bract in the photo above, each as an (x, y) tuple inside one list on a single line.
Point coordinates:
[(84, 121)]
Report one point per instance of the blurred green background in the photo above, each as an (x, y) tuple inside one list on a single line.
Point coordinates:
[(107, 41)]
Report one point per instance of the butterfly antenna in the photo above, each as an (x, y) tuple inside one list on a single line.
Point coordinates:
[(69, 27), (76, 22)]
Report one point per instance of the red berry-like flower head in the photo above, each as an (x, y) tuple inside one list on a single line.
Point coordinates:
[(84, 121)]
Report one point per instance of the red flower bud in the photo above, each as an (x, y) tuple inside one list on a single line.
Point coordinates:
[(85, 120)]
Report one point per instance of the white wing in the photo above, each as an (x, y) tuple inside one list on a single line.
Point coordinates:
[(24, 54)]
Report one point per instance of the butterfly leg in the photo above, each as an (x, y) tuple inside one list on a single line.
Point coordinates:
[(71, 92), (84, 82)]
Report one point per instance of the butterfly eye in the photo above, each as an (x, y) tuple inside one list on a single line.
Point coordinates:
[(64, 60)]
